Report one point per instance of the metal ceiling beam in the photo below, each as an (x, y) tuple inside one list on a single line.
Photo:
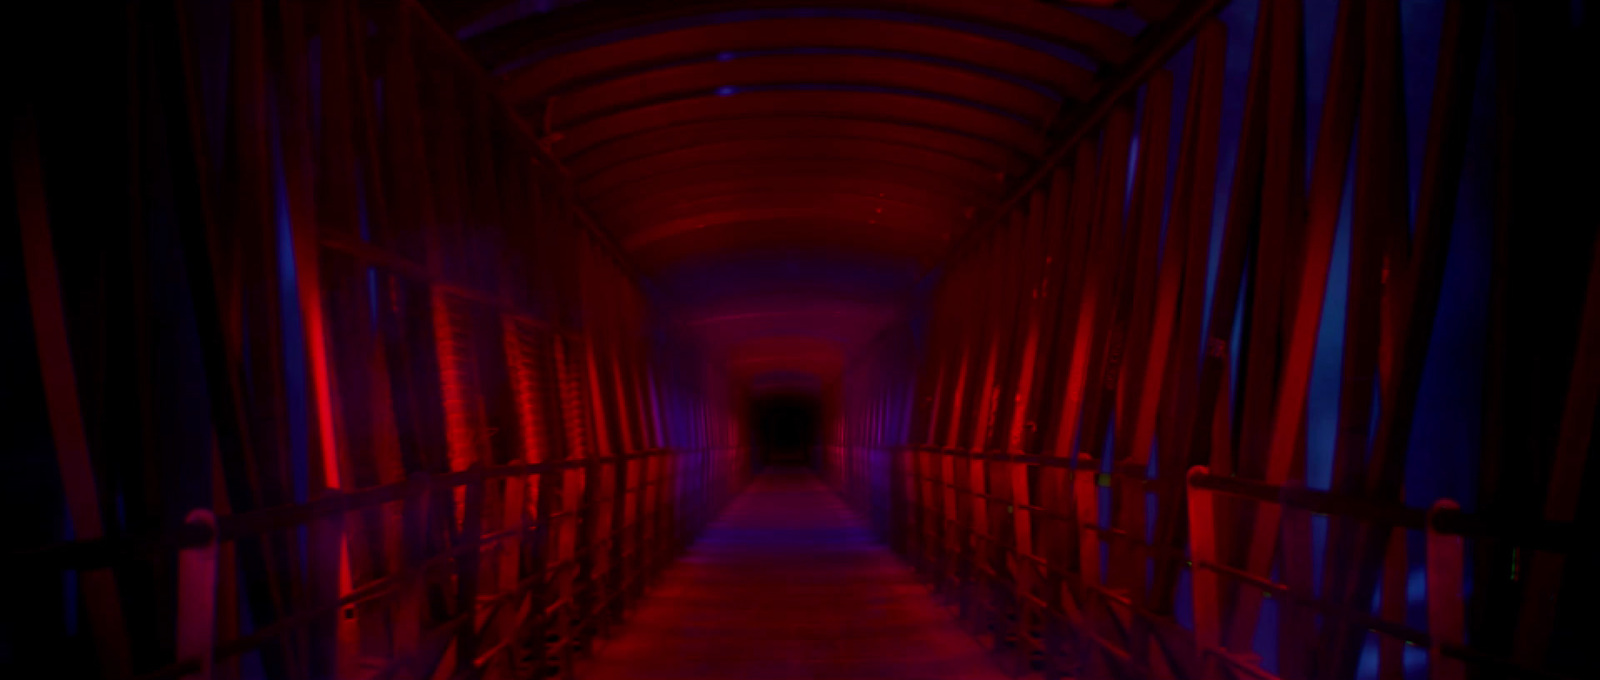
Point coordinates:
[(772, 128), (891, 176), (939, 81), (542, 151), (601, 63), (1037, 20), (452, 15), (969, 177), (968, 120), (639, 209), (1155, 48)]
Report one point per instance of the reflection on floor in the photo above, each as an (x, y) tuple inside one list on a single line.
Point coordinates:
[(789, 583)]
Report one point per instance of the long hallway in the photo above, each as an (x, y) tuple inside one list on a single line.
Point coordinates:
[(1110, 339), (790, 583)]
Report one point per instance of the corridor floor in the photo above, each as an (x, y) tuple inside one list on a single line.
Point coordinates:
[(789, 583)]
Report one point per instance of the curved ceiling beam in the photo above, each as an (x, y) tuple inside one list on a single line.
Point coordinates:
[(888, 174), (453, 14), (876, 208), (814, 233), (634, 210), (862, 214), (761, 346), (1159, 43), (685, 80), (920, 161), (841, 322), (785, 383), (1016, 20), (613, 60), (679, 137), (961, 118), (825, 366), (785, 280)]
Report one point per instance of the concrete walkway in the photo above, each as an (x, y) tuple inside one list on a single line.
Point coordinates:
[(789, 583)]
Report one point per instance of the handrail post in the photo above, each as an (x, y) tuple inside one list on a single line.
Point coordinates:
[(197, 596), (1446, 613), (1203, 549)]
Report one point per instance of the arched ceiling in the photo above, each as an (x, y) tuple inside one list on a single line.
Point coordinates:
[(784, 171)]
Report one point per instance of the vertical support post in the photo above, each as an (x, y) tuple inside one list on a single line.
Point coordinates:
[(1088, 515), (1392, 608), (467, 563), (53, 345), (412, 601), (197, 596), (1203, 550), (1447, 620)]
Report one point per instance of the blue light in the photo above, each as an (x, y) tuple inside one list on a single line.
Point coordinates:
[(725, 56), (726, 90)]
